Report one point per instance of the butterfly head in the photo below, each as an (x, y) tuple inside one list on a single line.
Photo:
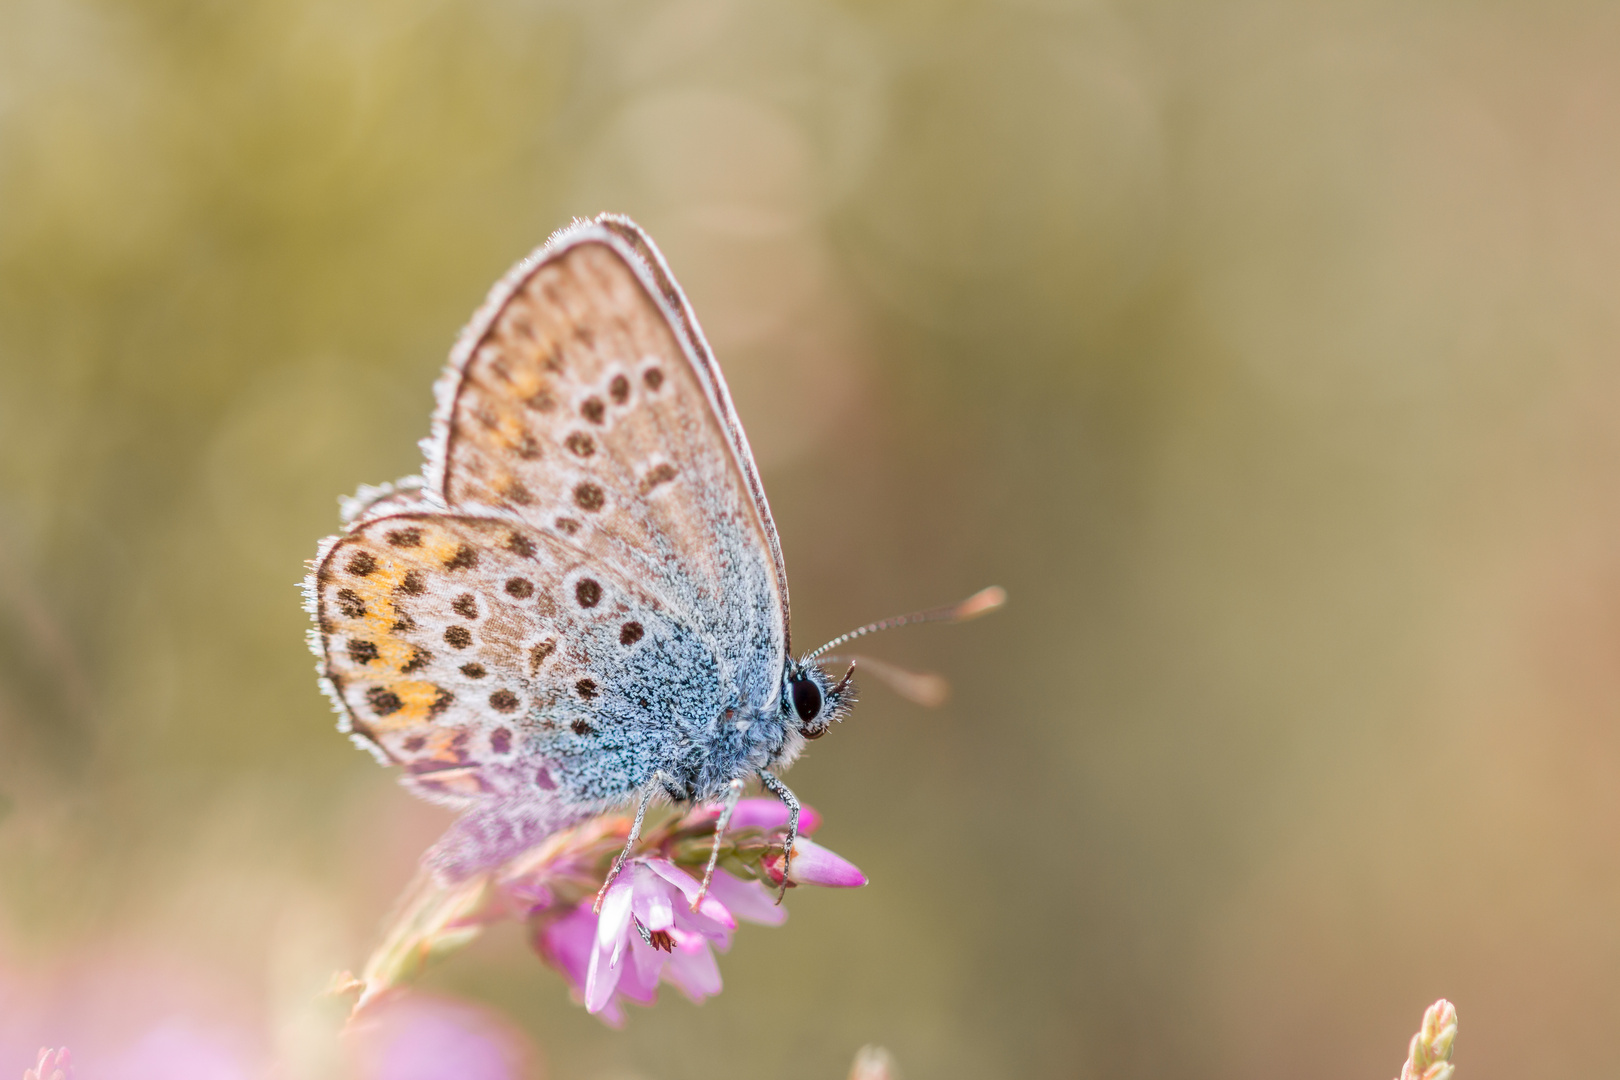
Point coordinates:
[(809, 693), (814, 700)]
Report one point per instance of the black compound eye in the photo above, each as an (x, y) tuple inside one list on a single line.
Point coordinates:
[(806, 698)]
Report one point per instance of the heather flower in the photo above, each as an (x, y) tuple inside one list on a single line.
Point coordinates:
[(418, 1037), (52, 1065), (815, 865), (645, 932), (1429, 1057), (131, 1012), (654, 926)]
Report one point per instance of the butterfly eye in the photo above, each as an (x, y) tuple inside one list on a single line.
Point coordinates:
[(806, 699)]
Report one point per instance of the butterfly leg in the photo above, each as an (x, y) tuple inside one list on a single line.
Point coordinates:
[(734, 792), (780, 790), (629, 846)]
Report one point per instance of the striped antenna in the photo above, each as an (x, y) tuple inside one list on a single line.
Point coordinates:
[(980, 603)]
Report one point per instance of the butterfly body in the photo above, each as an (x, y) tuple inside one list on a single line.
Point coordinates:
[(583, 599)]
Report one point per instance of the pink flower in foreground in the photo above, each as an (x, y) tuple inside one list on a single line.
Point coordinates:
[(53, 1065), (418, 1037), (815, 865), (646, 932)]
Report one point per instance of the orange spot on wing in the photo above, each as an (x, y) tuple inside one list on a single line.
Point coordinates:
[(526, 383), (417, 699), (378, 591)]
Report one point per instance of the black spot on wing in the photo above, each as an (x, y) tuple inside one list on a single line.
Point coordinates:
[(659, 474), (589, 497), (383, 702)]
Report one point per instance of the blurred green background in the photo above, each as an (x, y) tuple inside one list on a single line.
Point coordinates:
[(1268, 353)]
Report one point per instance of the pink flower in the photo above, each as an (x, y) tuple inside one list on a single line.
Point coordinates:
[(647, 932), (812, 863), (53, 1065), (129, 1013), (815, 865), (768, 814), (418, 1037)]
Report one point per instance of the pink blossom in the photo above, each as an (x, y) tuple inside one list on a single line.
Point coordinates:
[(129, 1013), (419, 1037), (770, 814), (53, 1065), (647, 932), (815, 865)]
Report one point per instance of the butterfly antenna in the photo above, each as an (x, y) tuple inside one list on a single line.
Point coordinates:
[(980, 603)]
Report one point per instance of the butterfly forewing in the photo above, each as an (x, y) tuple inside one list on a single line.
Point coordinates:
[(581, 407)]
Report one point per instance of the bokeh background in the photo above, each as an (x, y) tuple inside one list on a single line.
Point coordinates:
[(1268, 353)]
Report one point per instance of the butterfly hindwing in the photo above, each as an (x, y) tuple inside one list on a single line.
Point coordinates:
[(491, 661)]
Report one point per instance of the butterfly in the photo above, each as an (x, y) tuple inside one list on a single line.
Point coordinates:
[(581, 602)]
